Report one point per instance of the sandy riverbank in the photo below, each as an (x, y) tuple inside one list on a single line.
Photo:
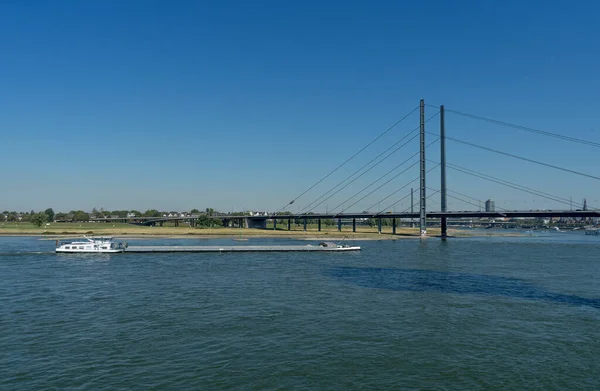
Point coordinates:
[(139, 232)]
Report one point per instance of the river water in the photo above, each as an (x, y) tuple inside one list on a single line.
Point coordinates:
[(475, 313)]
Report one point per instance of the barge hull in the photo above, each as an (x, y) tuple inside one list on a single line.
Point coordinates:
[(234, 249)]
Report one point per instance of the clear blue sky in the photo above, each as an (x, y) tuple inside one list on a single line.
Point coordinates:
[(237, 104)]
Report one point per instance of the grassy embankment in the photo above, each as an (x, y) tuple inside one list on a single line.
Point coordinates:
[(121, 229)]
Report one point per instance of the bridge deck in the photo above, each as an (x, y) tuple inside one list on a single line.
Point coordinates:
[(232, 249)]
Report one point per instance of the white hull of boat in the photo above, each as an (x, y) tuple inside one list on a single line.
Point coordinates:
[(91, 251), (90, 246)]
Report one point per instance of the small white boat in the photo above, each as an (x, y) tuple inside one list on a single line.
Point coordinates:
[(339, 246), (90, 245)]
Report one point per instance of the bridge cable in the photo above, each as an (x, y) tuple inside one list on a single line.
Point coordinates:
[(534, 192), (462, 200), (374, 190), (525, 128), (354, 173), (428, 197), (378, 179), (471, 203), (506, 183), (414, 180), (463, 195), (503, 182), (347, 160), (401, 188), (369, 169), (449, 195), (522, 158), (406, 196), (475, 199), (511, 185)]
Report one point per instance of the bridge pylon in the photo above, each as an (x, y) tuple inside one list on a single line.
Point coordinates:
[(423, 210), (443, 221)]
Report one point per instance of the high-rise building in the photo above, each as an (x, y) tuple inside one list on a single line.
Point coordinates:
[(489, 206)]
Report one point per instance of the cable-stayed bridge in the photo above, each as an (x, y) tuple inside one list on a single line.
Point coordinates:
[(425, 193)]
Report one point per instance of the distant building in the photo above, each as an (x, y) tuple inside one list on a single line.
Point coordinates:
[(489, 206)]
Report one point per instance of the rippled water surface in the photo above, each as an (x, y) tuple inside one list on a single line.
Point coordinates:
[(487, 313)]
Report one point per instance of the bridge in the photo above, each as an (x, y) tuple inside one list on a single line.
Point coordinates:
[(261, 221), (443, 214), (417, 210)]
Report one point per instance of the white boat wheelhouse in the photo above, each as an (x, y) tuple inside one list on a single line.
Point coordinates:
[(90, 245)]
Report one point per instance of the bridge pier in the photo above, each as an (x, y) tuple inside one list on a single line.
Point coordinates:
[(394, 226), (339, 224), (304, 223), (177, 223), (354, 225), (275, 224), (289, 224), (319, 224), (379, 225)]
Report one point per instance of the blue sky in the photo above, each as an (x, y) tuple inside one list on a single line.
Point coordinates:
[(243, 105)]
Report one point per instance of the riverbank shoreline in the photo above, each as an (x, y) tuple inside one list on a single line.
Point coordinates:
[(247, 234)]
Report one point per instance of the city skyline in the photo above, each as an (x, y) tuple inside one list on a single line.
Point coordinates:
[(237, 106)]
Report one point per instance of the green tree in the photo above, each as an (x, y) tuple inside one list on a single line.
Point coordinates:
[(49, 214), (194, 211), (81, 216), (205, 221), (38, 219), (152, 213)]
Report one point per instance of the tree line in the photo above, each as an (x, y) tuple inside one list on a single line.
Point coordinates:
[(208, 217)]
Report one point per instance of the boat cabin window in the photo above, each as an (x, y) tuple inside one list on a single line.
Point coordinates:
[(81, 247), (67, 247), (104, 247)]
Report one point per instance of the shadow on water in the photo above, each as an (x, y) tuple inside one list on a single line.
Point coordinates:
[(419, 280)]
